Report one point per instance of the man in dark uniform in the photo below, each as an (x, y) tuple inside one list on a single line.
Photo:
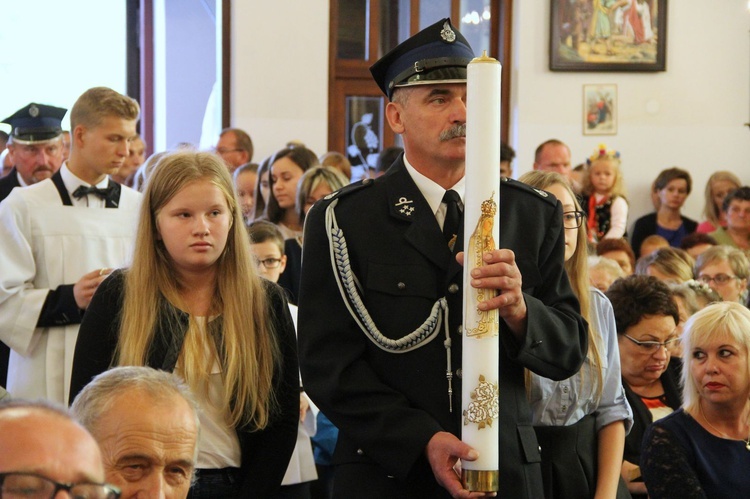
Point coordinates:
[(35, 149), (378, 281)]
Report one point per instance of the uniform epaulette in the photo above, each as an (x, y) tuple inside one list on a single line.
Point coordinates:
[(537, 193), (348, 189)]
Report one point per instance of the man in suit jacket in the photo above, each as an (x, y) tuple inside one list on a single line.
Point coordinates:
[(35, 149), (378, 281)]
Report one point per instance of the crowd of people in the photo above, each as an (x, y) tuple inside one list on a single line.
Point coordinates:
[(224, 328)]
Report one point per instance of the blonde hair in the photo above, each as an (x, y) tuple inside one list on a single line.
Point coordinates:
[(716, 320), (576, 267), (244, 342), (98, 103), (673, 262), (711, 210), (618, 187)]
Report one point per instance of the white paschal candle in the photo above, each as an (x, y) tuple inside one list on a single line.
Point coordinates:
[(480, 363)]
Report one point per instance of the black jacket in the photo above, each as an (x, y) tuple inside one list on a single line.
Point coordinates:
[(265, 453), (387, 406)]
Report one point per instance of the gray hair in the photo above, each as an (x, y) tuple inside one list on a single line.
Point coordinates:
[(98, 396)]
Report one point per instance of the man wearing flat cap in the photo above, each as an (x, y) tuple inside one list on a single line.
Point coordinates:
[(34, 147), (35, 150), (380, 297), (59, 238)]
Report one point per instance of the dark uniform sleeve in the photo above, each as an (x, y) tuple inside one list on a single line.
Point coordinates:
[(60, 308), (266, 453), (556, 340), (97, 337)]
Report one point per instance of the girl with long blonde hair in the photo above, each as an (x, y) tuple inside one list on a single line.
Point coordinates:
[(192, 303), (581, 422)]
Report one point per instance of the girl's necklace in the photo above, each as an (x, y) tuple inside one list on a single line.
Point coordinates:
[(723, 435)]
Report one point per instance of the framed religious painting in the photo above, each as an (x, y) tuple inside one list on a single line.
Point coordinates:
[(608, 35), (600, 109)]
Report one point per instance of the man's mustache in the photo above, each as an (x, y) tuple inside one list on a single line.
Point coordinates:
[(453, 132)]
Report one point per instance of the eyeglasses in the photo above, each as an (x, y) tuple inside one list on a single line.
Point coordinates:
[(652, 346), (718, 278), (269, 263), (573, 219), (33, 486), (221, 150)]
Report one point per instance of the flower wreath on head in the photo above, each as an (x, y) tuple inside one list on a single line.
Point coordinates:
[(602, 153)]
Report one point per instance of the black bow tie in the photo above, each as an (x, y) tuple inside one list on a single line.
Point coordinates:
[(104, 194)]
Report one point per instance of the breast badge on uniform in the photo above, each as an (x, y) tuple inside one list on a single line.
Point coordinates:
[(406, 207)]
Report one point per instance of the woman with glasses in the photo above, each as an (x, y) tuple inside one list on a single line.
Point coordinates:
[(193, 303), (737, 212), (646, 316), (703, 449), (581, 422), (726, 270)]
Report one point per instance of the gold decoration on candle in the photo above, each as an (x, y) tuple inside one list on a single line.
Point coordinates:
[(480, 242), (484, 406)]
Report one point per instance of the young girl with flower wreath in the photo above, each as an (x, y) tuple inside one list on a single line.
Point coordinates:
[(604, 196)]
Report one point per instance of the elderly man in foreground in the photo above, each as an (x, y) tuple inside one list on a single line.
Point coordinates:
[(43, 451), (146, 424)]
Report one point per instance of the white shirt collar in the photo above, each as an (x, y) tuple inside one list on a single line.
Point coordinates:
[(20, 180), (432, 191), (72, 182)]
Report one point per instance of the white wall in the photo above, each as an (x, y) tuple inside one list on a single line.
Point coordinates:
[(280, 73), (698, 106), (280, 90)]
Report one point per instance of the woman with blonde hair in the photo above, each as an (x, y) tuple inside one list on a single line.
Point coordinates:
[(192, 303), (581, 422), (718, 186), (671, 265), (703, 449)]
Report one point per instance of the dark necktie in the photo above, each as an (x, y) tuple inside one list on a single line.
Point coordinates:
[(104, 194), (452, 217)]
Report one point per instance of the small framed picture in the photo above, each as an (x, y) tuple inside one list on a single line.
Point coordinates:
[(600, 109)]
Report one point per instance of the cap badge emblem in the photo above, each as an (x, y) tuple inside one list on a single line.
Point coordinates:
[(447, 34), (33, 111)]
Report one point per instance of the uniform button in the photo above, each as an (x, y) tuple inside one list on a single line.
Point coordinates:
[(540, 449), (460, 330), (401, 285), (564, 408), (453, 288), (366, 181), (360, 452), (459, 373), (565, 389)]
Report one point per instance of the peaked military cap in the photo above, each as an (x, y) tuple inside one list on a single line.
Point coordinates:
[(437, 54), (36, 123)]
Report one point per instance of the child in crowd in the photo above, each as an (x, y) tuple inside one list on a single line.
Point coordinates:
[(604, 193), (651, 244), (603, 271), (267, 247), (718, 186), (245, 178)]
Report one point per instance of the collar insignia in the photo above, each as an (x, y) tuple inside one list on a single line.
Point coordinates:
[(447, 34), (406, 207)]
